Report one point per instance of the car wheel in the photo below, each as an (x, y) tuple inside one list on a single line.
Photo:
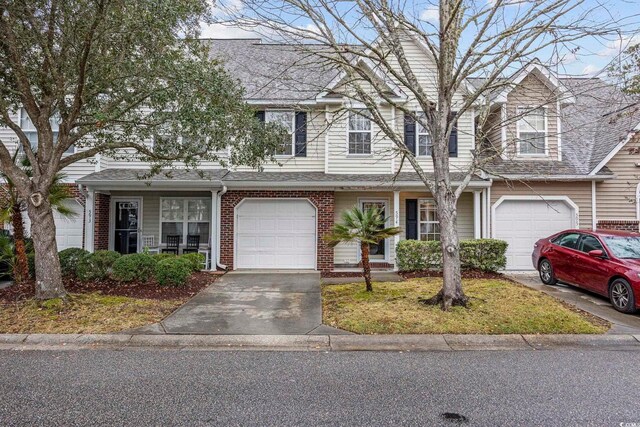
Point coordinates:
[(621, 296), (546, 272)]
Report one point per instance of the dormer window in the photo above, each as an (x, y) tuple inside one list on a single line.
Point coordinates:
[(359, 132), (532, 132), (286, 119), (31, 132)]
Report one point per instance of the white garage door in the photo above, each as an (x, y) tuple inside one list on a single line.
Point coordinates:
[(68, 230), (276, 233), (523, 222)]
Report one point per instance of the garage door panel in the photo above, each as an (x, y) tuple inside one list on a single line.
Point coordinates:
[(278, 233), (69, 230), (522, 222)]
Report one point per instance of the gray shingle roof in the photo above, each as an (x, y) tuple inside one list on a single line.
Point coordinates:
[(273, 71), (223, 176), (601, 117)]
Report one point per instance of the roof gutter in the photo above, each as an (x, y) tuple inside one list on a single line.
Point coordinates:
[(342, 184), (554, 177), (150, 185)]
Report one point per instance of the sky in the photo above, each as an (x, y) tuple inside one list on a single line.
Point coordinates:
[(590, 56)]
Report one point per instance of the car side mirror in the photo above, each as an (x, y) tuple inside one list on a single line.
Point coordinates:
[(597, 253)]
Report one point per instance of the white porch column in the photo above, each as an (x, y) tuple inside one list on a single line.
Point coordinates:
[(396, 223), (89, 219), (476, 215), (485, 213), (213, 247)]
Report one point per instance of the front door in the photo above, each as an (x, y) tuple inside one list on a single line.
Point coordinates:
[(126, 224), (377, 252)]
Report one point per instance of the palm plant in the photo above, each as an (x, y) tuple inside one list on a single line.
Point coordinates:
[(366, 227), (12, 206)]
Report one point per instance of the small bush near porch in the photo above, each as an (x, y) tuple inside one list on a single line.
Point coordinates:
[(107, 293), (477, 254), (497, 306)]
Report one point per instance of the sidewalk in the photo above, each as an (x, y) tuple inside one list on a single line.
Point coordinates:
[(20, 342)]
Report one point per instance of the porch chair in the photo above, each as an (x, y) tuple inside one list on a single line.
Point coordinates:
[(193, 244), (173, 244), (149, 244)]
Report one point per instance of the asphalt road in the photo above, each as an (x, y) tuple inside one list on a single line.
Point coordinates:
[(198, 388)]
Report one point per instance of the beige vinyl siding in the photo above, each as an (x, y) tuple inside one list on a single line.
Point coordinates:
[(151, 208), (340, 161), (348, 253), (465, 212), (314, 160), (578, 191), (532, 92), (616, 198), (72, 172), (425, 71), (492, 129)]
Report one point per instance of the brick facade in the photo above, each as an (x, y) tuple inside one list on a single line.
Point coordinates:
[(324, 201), (622, 225), (101, 221)]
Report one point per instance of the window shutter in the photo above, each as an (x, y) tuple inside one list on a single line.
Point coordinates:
[(410, 133), (260, 115), (301, 134), (411, 215), (453, 138)]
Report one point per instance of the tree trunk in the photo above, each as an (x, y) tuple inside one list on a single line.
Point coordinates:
[(21, 265), (451, 293), (43, 232), (366, 267)]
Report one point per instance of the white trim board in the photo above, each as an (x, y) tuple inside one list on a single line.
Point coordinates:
[(615, 150)]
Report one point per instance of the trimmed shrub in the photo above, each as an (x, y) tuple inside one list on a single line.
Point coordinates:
[(69, 259), (173, 271), (97, 265), (482, 254), (139, 267), (196, 260), (161, 256)]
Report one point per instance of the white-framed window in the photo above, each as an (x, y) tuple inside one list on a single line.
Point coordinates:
[(428, 225), (532, 131), (185, 216), (359, 132), (286, 119), (31, 132), (424, 145)]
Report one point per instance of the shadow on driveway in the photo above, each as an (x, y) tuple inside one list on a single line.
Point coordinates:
[(254, 303), (584, 300)]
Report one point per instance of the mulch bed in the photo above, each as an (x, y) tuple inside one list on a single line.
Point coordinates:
[(147, 290), (466, 274)]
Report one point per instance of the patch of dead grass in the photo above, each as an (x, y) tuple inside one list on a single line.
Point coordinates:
[(83, 313), (496, 307)]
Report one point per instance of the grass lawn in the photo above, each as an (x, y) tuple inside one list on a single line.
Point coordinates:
[(83, 313), (496, 307)]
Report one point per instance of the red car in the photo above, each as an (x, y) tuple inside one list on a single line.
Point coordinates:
[(605, 262)]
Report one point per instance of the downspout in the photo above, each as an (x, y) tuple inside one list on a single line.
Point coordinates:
[(218, 225)]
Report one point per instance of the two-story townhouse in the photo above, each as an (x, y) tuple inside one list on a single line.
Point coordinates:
[(275, 218)]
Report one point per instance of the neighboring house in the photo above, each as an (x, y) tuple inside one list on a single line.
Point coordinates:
[(560, 166)]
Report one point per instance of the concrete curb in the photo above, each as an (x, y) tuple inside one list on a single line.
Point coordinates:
[(320, 342)]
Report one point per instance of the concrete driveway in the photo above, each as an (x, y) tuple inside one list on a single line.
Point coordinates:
[(254, 303), (585, 300)]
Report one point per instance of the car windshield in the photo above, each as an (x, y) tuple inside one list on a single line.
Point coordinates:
[(624, 247)]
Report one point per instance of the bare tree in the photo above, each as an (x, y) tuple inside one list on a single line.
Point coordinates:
[(366, 41)]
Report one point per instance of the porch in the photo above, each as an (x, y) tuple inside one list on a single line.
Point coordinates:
[(415, 213), (132, 215)]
